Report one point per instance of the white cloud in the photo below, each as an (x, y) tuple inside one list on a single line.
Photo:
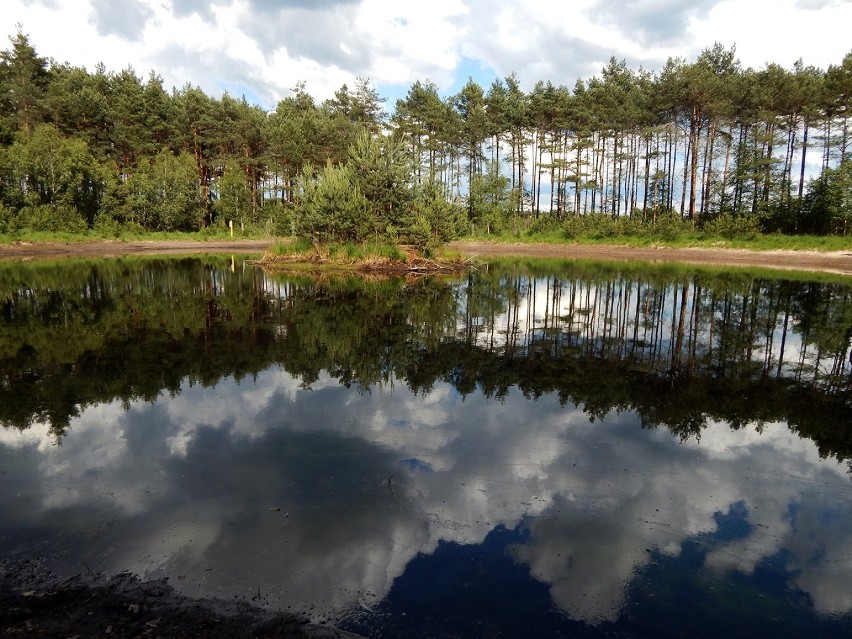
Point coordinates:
[(264, 48), (779, 31)]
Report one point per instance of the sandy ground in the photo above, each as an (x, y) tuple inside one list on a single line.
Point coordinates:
[(829, 262)]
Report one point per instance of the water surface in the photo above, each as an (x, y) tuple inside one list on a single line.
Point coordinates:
[(528, 450)]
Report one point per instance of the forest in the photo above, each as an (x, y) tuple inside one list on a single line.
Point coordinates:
[(697, 144)]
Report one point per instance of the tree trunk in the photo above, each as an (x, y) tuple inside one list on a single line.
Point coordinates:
[(694, 134), (804, 153)]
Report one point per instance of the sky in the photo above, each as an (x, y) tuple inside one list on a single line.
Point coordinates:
[(260, 49)]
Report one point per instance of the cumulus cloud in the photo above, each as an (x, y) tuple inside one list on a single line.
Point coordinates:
[(651, 22), (125, 19), (202, 8), (326, 38), (50, 4), (332, 42)]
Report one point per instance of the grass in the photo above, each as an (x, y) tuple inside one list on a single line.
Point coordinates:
[(127, 235), (543, 266), (674, 236), (301, 249), (693, 239), (369, 256)]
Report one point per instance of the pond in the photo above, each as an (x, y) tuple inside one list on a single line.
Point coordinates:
[(532, 449)]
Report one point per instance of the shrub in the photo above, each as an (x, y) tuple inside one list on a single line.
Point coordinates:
[(331, 208), (600, 226), (669, 226), (107, 225), (572, 227), (546, 223), (7, 220), (48, 217), (732, 227)]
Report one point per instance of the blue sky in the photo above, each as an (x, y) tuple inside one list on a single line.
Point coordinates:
[(262, 48)]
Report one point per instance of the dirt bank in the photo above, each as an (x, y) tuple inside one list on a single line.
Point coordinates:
[(831, 262), (37, 603), (116, 248)]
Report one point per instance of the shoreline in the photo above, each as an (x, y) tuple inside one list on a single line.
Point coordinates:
[(837, 262)]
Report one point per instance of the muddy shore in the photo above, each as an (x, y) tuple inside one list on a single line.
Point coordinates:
[(37, 603)]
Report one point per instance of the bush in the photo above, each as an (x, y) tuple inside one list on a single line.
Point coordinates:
[(331, 209), (7, 219), (732, 227), (546, 223), (572, 227), (669, 226), (48, 217), (107, 225), (277, 218), (432, 220)]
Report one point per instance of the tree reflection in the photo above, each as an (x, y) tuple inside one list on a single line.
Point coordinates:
[(680, 348)]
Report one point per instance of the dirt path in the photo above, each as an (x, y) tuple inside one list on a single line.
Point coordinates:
[(832, 262), (115, 248), (828, 262)]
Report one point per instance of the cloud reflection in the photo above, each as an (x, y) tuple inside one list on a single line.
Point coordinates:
[(320, 499)]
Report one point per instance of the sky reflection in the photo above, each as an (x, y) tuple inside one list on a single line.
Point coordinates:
[(320, 499)]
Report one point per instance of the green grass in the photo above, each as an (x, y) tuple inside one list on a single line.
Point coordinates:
[(128, 235), (348, 252), (295, 247), (693, 239), (674, 236), (544, 266), (670, 230)]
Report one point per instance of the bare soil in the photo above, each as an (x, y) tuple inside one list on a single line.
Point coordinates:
[(36, 603), (117, 248), (839, 262)]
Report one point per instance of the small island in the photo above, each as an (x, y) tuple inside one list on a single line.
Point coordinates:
[(365, 258)]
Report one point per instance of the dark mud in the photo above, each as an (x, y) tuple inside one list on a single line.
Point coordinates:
[(37, 603)]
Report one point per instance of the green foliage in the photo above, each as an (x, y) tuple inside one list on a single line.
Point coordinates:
[(827, 208), (488, 201), (381, 171), (25, 77), (276, 218), (372, 197), (435, 219), (665, 228), (299, 245), (51, 217), (235, 200), (367, 251), (668, 227), (163, 194), (94, 143), (331, 208), (6, 218), (56, 172), (732, 227)]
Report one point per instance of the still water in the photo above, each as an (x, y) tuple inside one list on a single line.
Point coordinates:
[(529, 450)]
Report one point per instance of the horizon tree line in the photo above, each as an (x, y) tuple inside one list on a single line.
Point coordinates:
[(696, 140)]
